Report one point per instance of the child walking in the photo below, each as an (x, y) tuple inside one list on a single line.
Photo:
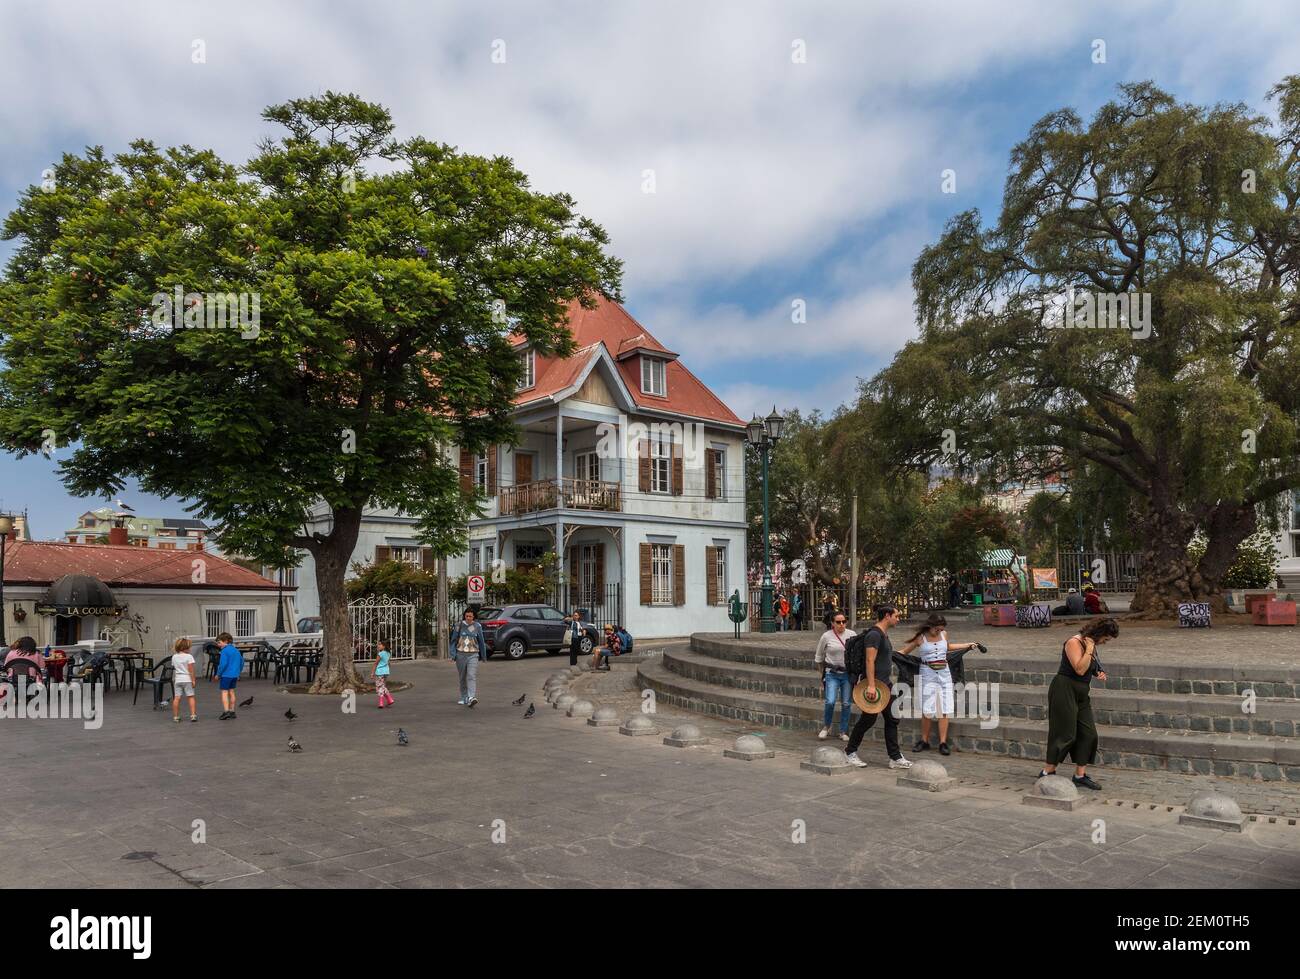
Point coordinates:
[(381, 676), (183, 679)]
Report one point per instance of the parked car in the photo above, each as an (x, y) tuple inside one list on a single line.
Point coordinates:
[(515, 629), (311, 623)]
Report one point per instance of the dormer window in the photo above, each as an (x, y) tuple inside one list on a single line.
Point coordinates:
[(652, 376), (527, 369)]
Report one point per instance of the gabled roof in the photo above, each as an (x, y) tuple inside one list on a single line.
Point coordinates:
[(611, 326), (123, 566)]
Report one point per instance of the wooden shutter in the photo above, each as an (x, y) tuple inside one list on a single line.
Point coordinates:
[(643, 466), (492, 470), (679, 574), (383, 554), (523, 469), (711, 571), (467, 471), (600, 572), (677, 469), (647, 589), (710, 476), (427, 561)]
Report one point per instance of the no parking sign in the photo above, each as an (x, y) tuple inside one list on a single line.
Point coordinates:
[(475, 586)]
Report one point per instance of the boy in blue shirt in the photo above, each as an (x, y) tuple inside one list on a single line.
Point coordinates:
[(229, 667)]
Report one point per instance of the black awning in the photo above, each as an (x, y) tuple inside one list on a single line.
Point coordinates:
[(78, 594)]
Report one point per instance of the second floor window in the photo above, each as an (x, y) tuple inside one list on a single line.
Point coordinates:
[(527, 369), (652, 376), (661, 466), (481, 473)]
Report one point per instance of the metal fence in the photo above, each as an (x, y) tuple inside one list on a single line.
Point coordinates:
[(909, 598), (382, 617), (1108, 571)]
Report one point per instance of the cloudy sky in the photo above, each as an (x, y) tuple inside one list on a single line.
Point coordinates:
[(797, 149)]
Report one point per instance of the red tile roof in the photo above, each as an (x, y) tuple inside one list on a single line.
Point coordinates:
[(118, 566), (610, 324)]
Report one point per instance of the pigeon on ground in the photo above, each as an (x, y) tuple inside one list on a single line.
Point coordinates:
[(294, 745), (290, 714), (401, 737), (247, 703), (520, 701), (532, 709)]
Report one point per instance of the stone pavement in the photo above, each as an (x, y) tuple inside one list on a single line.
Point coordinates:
[(574, 806)]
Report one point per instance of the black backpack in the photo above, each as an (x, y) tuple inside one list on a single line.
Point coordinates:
[(855, 655)]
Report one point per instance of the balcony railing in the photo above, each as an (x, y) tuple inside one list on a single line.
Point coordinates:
[(548, 494)]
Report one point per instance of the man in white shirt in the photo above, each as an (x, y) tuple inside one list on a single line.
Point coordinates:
[(836, 682), (183, 679)]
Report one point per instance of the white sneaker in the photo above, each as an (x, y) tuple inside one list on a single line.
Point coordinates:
[(855, 760), (899, 763), (823, 734), (461, 702), (843, 736)]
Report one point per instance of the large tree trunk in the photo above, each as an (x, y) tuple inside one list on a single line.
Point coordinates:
[(1226, 528), (337, 671), (1168, 576)]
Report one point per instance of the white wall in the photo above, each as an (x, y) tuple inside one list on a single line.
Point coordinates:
[(653, 621)]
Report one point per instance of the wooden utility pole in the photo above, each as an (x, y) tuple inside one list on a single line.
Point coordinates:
[(853, 565), (441, 624)]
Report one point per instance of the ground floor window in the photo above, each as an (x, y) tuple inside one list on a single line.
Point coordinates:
[(236, 621), (661, 574), (720, 571)]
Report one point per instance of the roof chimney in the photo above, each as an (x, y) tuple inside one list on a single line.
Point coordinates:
[(118, 535)]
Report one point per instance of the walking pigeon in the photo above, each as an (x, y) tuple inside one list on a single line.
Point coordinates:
[(290, 714), (532, 709), (294, 745), (401, 737), (520, 701), (247, 703)]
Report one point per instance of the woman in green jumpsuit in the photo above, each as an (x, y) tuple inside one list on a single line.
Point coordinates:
[(1071, 729)]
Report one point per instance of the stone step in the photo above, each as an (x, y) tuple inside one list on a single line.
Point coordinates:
[(1124, 673), (1205, 752), (1220, 713)]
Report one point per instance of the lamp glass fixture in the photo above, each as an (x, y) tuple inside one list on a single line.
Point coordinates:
[(775, 425), (755, 432)]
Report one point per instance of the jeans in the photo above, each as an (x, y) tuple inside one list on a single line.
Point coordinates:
[(467, 669), (839, 686), (867, 721), (575, 650)]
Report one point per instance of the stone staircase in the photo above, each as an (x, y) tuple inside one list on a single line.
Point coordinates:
[(1149, 715)]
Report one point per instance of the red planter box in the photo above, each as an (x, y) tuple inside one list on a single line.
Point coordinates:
[(1273, 613), (1000, 615), (1255, 598)]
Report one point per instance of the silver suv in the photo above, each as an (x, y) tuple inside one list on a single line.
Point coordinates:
[(515, 629)]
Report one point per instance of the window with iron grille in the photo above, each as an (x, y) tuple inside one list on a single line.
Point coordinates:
[(720, 569), (661, 574)]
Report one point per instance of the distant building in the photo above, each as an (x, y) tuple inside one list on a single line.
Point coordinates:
[(164, 533), (1014, 497), (62, 593)]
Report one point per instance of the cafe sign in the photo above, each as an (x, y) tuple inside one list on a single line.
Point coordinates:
[(96, 610)]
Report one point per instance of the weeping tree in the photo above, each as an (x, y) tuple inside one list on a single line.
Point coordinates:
[(286, 342), (1134, 308)]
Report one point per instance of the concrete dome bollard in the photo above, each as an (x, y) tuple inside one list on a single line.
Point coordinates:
[(750, 747), (582, 708), (928, 775), (555, 693), (604, 717), (638, 725), (827, 760), (685, 736), (1054, 792), (1213, 810), (565, 701)]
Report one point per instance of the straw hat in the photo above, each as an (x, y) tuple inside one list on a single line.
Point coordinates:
[(871, 706)]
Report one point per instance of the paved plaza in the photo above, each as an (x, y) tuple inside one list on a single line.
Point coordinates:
[(568, 805)]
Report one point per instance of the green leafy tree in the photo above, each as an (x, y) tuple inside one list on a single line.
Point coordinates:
[(1190, 210), (389, 277)]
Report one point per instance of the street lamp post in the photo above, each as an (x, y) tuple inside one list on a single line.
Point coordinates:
[(763, 434), (279, 605), (6, 525)]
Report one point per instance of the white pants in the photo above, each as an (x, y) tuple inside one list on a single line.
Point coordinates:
[(936, 692)]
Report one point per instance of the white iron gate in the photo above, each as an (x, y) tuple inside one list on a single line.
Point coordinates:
[(377, 617)]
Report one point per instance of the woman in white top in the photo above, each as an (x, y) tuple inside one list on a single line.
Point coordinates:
[(931, 645)]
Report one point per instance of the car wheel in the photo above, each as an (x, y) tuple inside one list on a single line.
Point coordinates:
[(586, 645), (516, 648)]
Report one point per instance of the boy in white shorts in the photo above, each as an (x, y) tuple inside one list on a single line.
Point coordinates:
[(183, 679)]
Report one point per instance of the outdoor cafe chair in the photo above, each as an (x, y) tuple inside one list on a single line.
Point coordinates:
[(155, 677), (22, 667)]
